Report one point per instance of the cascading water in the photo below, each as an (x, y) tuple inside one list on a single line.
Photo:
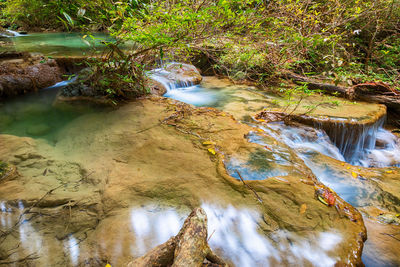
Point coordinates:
[(165, 78), (368, 146), (354, 141), (11, 33), (183, 90)]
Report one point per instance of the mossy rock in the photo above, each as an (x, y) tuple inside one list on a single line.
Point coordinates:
[(7, 171)]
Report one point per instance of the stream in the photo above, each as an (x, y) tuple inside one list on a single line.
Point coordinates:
[(67, 141)]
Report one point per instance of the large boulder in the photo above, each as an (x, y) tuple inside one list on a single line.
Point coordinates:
[(22, 73), (186, 73), (173, 75)]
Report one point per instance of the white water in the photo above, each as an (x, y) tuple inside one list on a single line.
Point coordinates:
[(166, 79), (355, 141), (184, 91), (375, 147), (234, 234), (356, 144), (12, 34), (61, 84)]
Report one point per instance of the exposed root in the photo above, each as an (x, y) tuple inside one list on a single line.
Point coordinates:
[(188, 248)]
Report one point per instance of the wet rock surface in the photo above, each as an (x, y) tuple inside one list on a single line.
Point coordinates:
[(21, 73), (172, 76), (81, 198), (182, 72)]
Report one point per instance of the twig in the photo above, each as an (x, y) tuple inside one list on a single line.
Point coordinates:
[(391, 235), (19, 221), (210, 236), (149, 128), (32, 256), (249, 187)]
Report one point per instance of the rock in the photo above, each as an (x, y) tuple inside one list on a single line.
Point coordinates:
[(38, 130), (7, 171), (188, 248), (156, 88), (79, 87), (22, 73), (78, 94), (173, 75), (111, 163), (181, 72), (389, 218)]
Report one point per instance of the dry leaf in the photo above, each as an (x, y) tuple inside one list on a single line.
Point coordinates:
[(208, 142), (303, 208), (212, 151)]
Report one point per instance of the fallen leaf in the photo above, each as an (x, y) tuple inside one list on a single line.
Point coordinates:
[(322, 200), (267, 147), (260, 130), (212, 151), (342, 163), (331, 199), (208, 143), (348, 168), (108, 265), (303, 208), (355, 175), (389, 171)]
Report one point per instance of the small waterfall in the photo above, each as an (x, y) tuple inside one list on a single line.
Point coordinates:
[(166, 79), (353, 140), (368, 146), (11, 33), (61, 84)]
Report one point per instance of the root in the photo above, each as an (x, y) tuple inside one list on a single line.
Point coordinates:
[(188, 248)]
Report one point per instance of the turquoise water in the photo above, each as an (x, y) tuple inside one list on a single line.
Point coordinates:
[(57, 44), (36, 115)]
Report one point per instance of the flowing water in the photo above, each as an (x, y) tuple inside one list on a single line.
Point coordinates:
[(367, 146), (75, 134)]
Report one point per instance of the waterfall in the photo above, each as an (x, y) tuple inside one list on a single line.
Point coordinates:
[(167, 80), (11, 33), (361, 145), (353, 140)]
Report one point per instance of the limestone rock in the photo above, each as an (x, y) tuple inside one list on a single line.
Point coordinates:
[(21, 73)]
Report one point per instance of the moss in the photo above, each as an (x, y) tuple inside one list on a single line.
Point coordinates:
[(3, 168)]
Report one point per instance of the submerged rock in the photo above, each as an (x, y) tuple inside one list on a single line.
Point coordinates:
[(153, 155), (38, 130)]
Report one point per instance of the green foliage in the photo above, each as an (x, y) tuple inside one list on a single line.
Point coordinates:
[(116, 76), (59, 14), (348, 41)]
